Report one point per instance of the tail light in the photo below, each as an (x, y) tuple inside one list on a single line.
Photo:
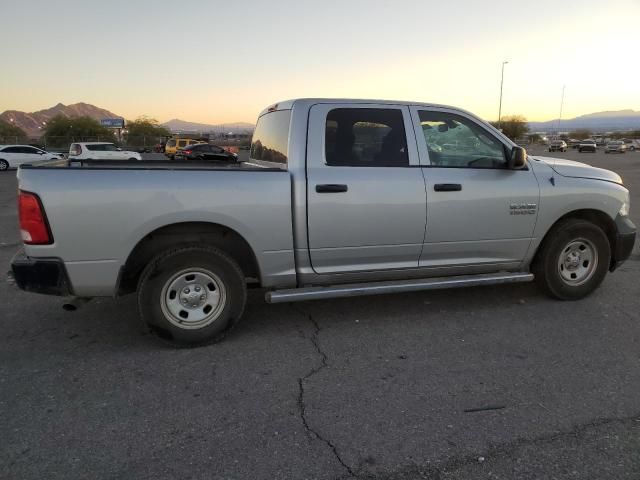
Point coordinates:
[(34, 228), (187, 152)]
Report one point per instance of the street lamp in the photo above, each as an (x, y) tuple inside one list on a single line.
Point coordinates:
[(501, 84)]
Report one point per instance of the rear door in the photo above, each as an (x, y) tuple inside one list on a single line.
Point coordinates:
[(480, 213), (366, 194)]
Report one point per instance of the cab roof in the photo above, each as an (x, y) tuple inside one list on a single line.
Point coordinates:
[(289, 104)]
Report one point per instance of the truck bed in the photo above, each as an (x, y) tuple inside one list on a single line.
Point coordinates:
[(109, 206)]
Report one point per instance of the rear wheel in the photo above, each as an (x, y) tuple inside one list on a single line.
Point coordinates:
[(192, 296), (573, 260), (4, 165)]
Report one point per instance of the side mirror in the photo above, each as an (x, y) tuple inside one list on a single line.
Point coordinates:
[(518, 159), (119, 149)]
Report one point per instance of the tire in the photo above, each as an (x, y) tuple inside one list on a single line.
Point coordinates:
[(585, 253), (214, 275), (132, 158), (4, 165)]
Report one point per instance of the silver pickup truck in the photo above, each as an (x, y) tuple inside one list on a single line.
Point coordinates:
[(339, 198)]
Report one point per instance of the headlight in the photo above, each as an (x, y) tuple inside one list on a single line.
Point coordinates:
[(626, 206)]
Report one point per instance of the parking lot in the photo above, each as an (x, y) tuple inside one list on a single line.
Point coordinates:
[(488, 382)]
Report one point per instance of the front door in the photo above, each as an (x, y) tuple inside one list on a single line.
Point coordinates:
[(365, 194), (479, 212)]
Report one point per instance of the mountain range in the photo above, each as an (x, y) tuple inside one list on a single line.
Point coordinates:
[(598, 122), (177, 125), (33, 123)]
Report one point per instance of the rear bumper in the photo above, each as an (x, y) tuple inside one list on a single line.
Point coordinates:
[(42, 275), (624, 241)]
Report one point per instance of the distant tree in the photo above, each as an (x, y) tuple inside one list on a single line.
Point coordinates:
[(62, 130), (145, 129), (581, 133), (11, 133), (513, 126)]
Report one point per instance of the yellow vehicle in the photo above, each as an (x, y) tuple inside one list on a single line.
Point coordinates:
[(175, 144)]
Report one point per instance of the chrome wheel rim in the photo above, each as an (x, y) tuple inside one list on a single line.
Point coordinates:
[(193, 298), (577, 262)]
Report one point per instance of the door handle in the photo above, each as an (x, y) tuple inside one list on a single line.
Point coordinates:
[(331, 188), (447, 187)]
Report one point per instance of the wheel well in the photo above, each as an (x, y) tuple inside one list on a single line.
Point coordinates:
[(597, 217), (164, 238)]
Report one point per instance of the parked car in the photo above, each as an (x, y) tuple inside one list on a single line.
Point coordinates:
[(174, 144), (615, 146), (557, 146), (587, 145), (574, 143), (100, 151), (204, 151), (12, 156), (327, 206)]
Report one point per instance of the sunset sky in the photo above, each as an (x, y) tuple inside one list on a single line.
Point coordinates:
[(214, 61)]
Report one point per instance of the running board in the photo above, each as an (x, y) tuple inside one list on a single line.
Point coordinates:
[(378, 288)]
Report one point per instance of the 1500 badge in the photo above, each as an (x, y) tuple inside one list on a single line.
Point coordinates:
[(523, 208)]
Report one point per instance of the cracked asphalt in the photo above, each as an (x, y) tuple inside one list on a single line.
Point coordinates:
[(482, 383)]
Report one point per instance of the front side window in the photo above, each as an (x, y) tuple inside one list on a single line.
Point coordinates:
[(456, 141), (365, 137), (182, 143), (171, 143), (75, 149), (270, 141)]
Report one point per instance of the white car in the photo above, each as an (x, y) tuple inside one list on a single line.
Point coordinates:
[(12, 156), (100, 151)]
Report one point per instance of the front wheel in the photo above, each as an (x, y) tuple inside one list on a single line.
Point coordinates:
[(192, 296), (4, 165), (573, 260)]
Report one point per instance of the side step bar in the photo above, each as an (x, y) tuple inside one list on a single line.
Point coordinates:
[(396, 286)]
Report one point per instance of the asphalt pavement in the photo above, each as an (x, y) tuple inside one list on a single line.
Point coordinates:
[(481, 383)]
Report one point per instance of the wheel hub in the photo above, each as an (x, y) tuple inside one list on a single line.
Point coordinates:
[(577, 262), (193, 298)]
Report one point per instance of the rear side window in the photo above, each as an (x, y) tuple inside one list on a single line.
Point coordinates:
[(270, 141), (365, 137)]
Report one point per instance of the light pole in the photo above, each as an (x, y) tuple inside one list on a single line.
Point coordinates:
[(561, 105), (501, 84)]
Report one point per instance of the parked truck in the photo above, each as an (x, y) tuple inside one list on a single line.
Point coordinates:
[(338, 198)]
